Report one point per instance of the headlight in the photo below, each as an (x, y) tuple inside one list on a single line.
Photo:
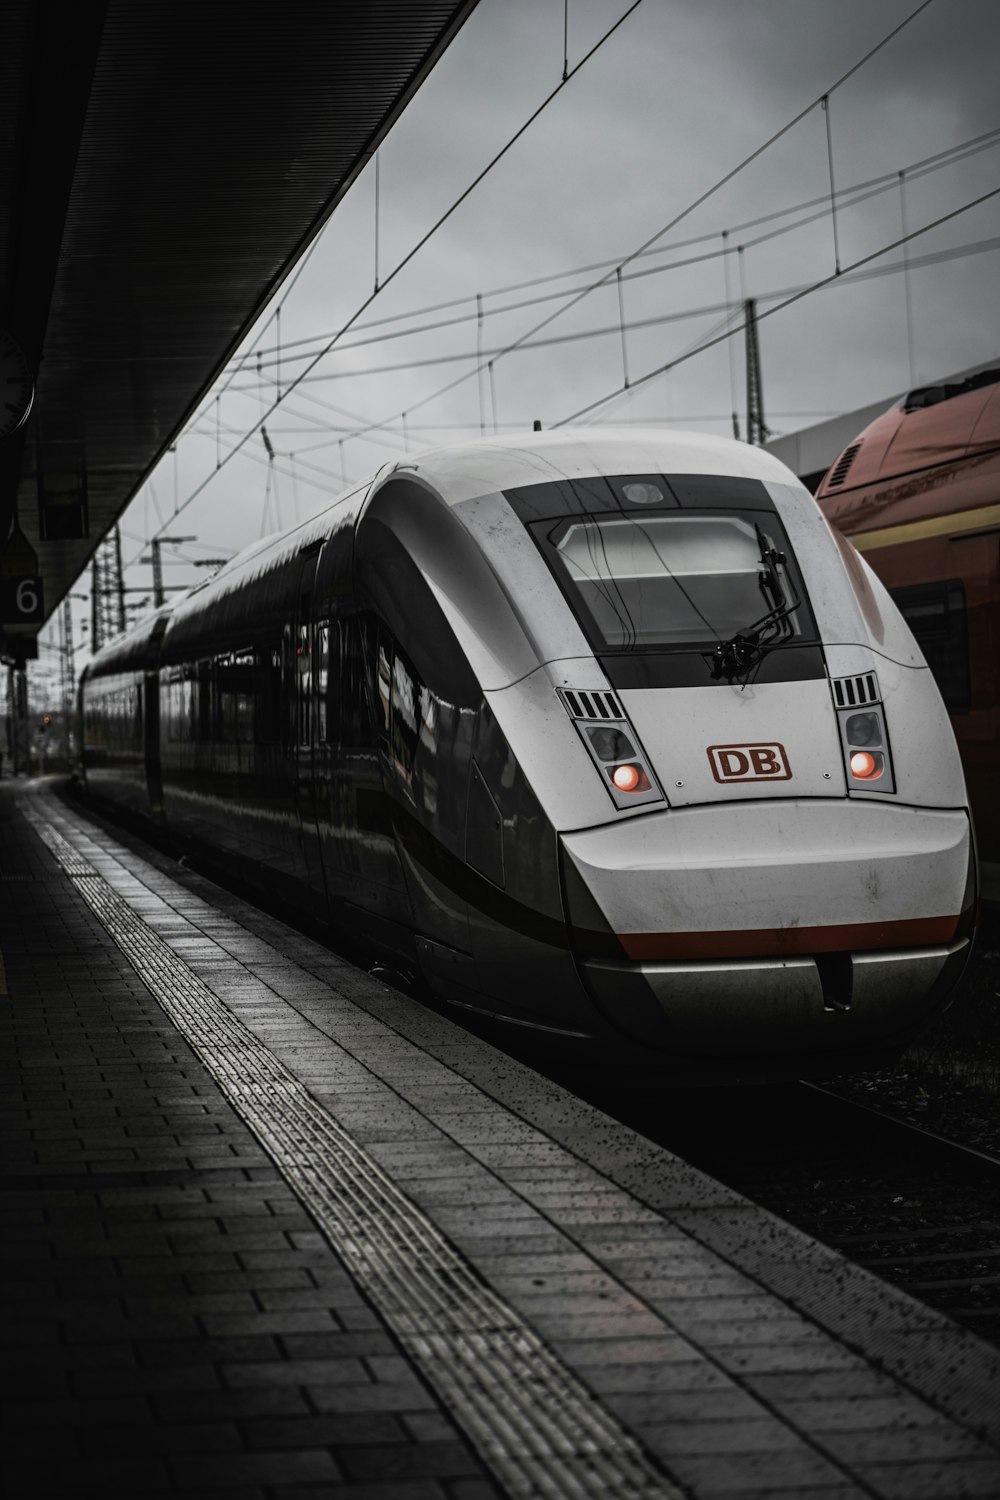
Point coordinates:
[(629, 778), (613, 746), (866, 750), (866, 766)]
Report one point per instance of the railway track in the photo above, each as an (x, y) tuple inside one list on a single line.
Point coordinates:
[(917, 1210), (941, 1239)]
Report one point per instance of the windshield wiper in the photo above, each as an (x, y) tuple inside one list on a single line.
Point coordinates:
[(736, 658)]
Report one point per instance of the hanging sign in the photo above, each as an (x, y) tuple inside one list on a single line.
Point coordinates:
[(22, 601), (62, 507)]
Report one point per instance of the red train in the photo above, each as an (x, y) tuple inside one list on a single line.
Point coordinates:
[(918, 493)]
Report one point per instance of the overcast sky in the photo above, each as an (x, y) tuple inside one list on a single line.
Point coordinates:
[(671, 103)]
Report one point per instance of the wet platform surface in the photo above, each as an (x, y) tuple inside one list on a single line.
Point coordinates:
[(271, 1229)]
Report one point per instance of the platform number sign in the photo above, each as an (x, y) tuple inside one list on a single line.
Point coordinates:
[(22, 601)]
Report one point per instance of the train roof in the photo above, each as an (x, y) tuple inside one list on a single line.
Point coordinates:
[(512, 461), (128, 652), (464, 472), (935, 453), (484, 466), (931, 425)]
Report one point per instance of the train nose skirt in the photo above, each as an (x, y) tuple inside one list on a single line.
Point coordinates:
[(533, 1421), (762, 1002)]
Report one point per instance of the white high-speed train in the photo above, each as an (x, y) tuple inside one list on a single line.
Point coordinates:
[(605, 733)]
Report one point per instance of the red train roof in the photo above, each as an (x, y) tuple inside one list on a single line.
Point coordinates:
[(936, 453)]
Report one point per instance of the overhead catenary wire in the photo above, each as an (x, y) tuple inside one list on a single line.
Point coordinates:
[(740, 167), (844, 279), (325, 405), (714, 188), (322, 482), (457, 425), (833, 188), (778, 307), (911, 362), (348, 348), (695, 348), (608, 330), (847, 197), (702, 198), (442, 219), (732, 344)]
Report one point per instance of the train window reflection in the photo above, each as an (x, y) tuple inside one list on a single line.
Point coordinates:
[(406, 701), (384, 674), (667, 580), (267, 664), (303, 659), (322, 679), (234, 684), (350, 721)]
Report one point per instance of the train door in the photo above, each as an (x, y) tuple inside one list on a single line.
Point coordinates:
[(151, 720), (360, 853), (305, 751), (304, 730), (151, 740)]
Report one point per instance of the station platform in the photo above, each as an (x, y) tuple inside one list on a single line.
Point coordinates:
[(273, 1230)]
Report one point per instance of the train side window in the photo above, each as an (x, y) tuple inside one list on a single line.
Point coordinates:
[(936, 614), (383, 678), (408, 699), (235, 683), (225, 701), (175, 706), (189, 720), (244, 694), (303, 659), (331, 700), (353, 716), (267, 694), (201, 723), (322, 681)]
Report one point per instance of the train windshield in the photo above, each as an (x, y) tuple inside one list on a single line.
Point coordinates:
[(679, 580)]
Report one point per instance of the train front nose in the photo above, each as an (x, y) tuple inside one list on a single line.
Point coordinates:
[(769, 930)]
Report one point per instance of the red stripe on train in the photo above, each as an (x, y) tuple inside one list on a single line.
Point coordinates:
[(914, 932)]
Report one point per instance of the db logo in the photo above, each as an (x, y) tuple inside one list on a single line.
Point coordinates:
[(749, 763)]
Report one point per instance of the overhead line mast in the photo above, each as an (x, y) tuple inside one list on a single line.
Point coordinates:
[(757, 430), (107, 591)]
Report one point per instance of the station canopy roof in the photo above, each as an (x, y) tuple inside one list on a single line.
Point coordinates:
[(162, 165)]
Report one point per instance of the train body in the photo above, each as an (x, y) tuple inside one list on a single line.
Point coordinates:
[(607, 734), (918, 493)]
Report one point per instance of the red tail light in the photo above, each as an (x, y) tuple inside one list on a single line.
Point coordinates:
[(867, 758), (630, 778)]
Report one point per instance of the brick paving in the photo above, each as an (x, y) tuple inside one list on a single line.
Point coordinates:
[(179, 1326), (171, 1321)]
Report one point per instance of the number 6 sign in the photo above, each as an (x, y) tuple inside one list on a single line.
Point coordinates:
[(22, 601)]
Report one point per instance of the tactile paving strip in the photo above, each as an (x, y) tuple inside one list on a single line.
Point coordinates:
[(536, 1425)]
